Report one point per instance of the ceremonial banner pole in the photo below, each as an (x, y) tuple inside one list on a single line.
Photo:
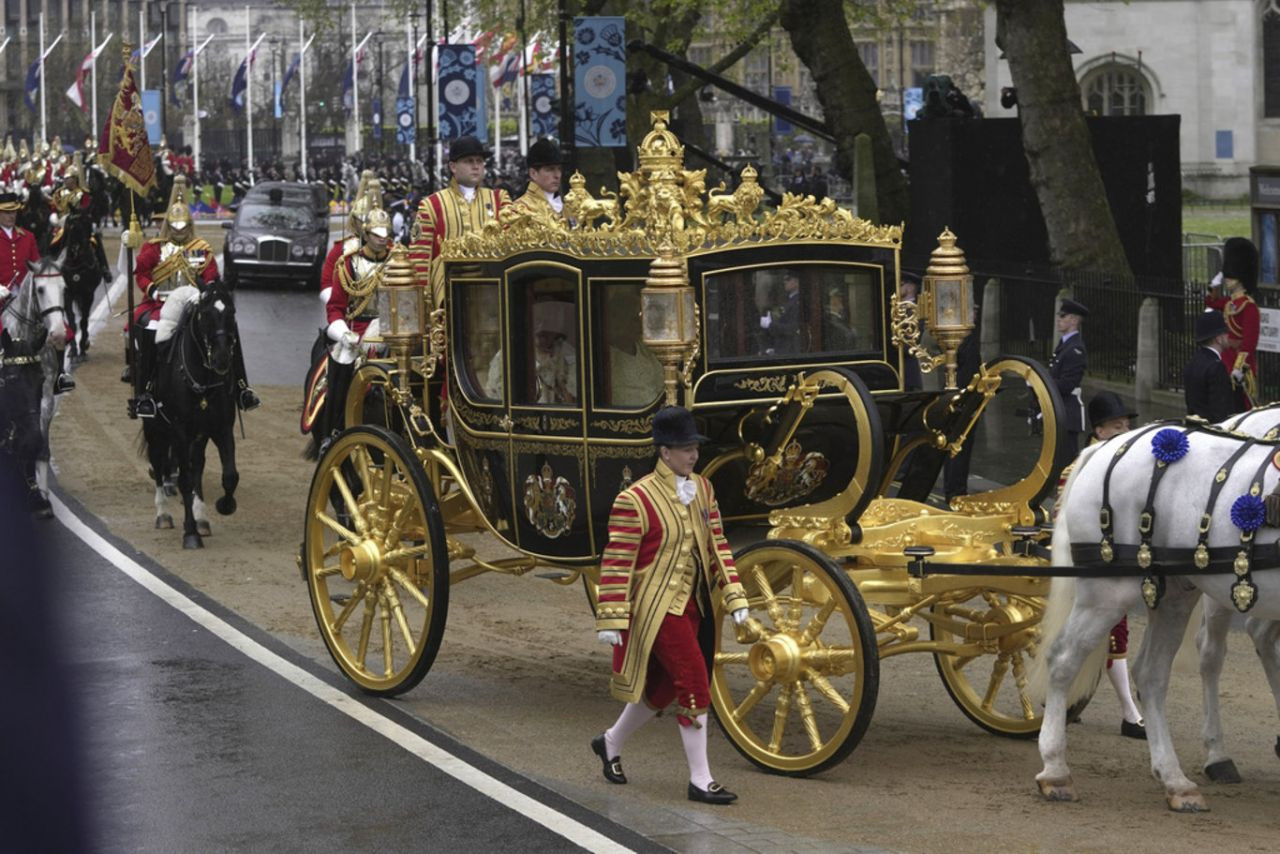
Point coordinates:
[(302, 104), (142, 47), (248, 87), (93, 69), (43, 131), (195, 89), (413, 143), (355, 79)]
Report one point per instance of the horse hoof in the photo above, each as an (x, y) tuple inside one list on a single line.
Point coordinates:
[(192, 541), (202, 528), (170, 489), (226, 505), (1222, 771), (164, 521), (1058, 790), (1188, 802)]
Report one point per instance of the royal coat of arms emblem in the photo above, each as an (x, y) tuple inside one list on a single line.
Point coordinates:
[(799, 474), (550, 502)]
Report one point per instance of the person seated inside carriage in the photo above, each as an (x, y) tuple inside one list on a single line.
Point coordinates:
[(177, 257)]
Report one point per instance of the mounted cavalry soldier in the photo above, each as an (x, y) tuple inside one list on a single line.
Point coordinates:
[(352, 313), (462, 207), (176, 258), (18, 247), (1239, 278), (1067, 369), (542, 198), (367, 198)]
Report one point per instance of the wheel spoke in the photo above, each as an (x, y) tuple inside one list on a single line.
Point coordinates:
[(731, 658), (409, 643), (403, 581), (780, 714), (410, 551), (826, 689), (758, 693), (335, 526), (387, 657), (1020, 679), (998, 670), (770, 599), (806, 716), (835, 661), (326, 571), (341, 619), (387, 470), (340, 481), (797, 596), (366, 627), (818, 623)]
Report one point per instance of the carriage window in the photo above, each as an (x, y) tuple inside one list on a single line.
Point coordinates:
[(481, 339), (805, 310), (627, 373), (544, 337)]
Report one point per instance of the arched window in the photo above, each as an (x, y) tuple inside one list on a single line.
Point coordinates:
[(1271, 59), (216, 26), (1115, 89)]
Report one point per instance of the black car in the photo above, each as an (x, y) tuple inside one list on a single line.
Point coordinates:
[(280, 235)]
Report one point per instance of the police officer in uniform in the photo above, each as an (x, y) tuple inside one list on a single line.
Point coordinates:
[(1067, 369)]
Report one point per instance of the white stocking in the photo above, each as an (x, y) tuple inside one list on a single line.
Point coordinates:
[(634, 716), (1118, 672), (695, 752)]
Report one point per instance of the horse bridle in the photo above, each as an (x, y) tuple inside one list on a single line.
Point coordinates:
[(206, 357)]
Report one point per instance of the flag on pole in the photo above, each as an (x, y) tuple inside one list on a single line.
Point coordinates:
[(123, 149), (348, 102), (32, 88), (481, 44), (506, 70), (183, 69), (76, 90), (290, 72), (146, 50), (403, 90), (240, 82)]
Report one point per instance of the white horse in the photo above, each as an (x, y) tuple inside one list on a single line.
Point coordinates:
[(1193, 460), (38, 302)]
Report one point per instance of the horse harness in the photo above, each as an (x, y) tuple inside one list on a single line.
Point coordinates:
[(1160, 561), (206, 359)]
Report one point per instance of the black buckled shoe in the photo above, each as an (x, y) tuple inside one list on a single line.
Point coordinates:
[(63, 384), (1138, 730), (144, 406), (612, 768), (126, 376), (714, 794), (249, 400)]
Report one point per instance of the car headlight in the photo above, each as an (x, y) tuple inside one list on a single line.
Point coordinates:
[(245, 246), (296, 250)]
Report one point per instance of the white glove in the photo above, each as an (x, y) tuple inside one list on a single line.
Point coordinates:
[(740, 615), (766, 321), (1237, 375), (613, 637), (337, 330), (4, 293), (350, 339)]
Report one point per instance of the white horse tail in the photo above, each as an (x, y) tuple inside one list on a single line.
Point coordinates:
[(1061, 599)]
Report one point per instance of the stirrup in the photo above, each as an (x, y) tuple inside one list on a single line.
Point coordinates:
[(63, 384), (249, 399), (145, 406)]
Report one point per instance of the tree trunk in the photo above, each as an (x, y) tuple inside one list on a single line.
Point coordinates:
[(821, 39), (1055, 137)]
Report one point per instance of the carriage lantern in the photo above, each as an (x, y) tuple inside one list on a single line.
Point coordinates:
[(948, 299), (400, 307)]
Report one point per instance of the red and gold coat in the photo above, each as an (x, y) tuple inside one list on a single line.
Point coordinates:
[(16, 252), (444, 214), (649, 570), (1244, 322), (164, 264)]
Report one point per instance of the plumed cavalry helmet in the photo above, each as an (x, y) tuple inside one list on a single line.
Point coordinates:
[(177, 216), (75, 170), (360, 204), (378, 222)]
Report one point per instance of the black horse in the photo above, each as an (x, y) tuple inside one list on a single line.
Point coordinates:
[(34, 217), (195, 391), (84, 267), (21, 391)]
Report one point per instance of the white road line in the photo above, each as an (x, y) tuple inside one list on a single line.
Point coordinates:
[(460, 770)]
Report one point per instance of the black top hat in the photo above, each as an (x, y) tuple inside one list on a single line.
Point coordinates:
[(1209, 324), (466, 146), (1240, 262), (1107, 405), (673, 426), (544, 152), (1070, 306)]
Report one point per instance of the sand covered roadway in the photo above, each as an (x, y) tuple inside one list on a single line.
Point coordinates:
[(521, 679)]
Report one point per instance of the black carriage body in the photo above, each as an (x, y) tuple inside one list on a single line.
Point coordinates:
[(546, 465)]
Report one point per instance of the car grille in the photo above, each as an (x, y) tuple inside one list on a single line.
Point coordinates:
[(273, 250)]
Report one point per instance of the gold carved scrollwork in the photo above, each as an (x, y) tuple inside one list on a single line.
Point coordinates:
[(625, 425), (764, 384), (686, 371), (437, 342), (775, 483), (905, 326)]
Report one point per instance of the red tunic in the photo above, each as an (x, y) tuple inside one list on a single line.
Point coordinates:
[(330, 262), (1244, 322), (144, 270), (17, 249), (339, 305)]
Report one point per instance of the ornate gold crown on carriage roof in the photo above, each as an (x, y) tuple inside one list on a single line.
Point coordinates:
[(663, 209)]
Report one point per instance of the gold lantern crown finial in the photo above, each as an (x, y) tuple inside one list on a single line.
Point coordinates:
[(660, 149), (947, 259), (399, 271)]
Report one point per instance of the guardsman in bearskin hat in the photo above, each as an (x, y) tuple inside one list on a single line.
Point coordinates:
[(462, 207), (177, 257), (1239, 280), (666, 563), (351, 310), (1067, 369), (543, 193)]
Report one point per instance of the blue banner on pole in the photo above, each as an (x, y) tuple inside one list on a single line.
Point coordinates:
[(542, 91), (151, 115), (599, 81), (461, 107), (782, 95), (279, 108), (406, 125), (376, 117)]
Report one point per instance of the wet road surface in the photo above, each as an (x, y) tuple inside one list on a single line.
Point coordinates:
[(194, 746)]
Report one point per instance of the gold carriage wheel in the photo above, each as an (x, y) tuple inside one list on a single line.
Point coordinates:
[(797, 698), (376, 561), (367, 377), (989, 681)]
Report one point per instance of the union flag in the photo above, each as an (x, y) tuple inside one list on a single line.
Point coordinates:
[(123, 148)]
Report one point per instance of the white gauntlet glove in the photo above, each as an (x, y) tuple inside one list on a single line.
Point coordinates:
[(337, 330), (350, 339), (1237, 375), (4, 293), (613, 637), (740, 616), (766, 321)]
